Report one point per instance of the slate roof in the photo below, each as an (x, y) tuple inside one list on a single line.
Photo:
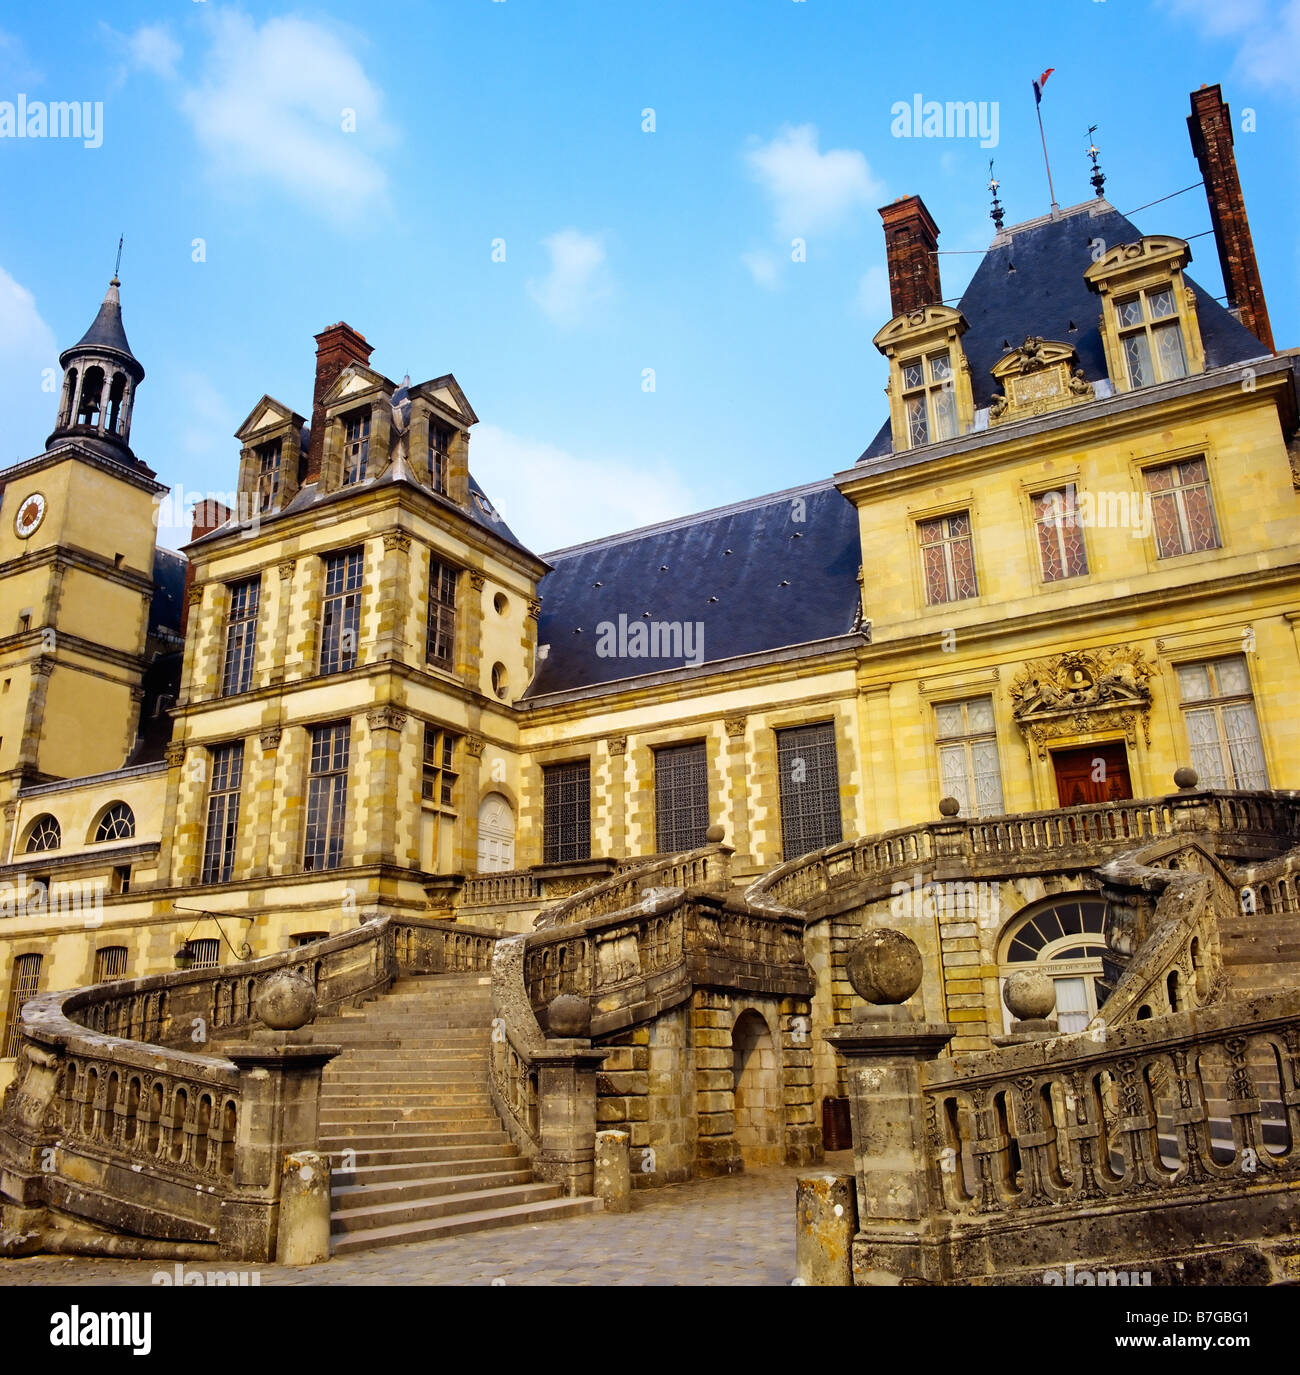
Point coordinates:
[(753, 576), (1047, 294), (168, 591), (106, 332)]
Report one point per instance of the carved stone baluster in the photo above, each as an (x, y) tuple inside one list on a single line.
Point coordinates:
[(1084, 1133), (1033, 1136), (1136, 1126), (987, 1145), (1188, 1116), (1243, 1104)]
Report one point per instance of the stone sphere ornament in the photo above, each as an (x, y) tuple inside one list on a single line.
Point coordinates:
[(949, 806), (1185, 778), (569, 1016), (884, 967), (714, 834), (1030, 996), (285, 1001)]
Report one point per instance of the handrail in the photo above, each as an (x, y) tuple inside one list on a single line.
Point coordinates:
[(708, 867)]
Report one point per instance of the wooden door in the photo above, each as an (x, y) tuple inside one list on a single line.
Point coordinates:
[(1096, 773)]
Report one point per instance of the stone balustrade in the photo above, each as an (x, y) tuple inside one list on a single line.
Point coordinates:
[(708, 868)]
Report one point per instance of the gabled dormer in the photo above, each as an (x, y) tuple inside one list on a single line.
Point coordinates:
[(271, 447), (359, 424), (929, 377), (1149, 326), (437, 438)]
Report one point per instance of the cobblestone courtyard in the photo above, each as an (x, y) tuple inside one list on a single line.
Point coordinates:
[(735, 1231)]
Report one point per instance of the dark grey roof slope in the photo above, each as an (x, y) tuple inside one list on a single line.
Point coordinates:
[(1048, 296), (753, 577), (107, 332), (168, 591)]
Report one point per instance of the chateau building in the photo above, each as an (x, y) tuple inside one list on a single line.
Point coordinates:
[(1064, 567)]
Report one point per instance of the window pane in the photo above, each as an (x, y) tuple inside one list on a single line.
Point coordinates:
[(1160, 304), (988, 778), (1194, 682), (222, 833), (1129, 311), (940, 367), (327, 796), (1168, 529), (945, 414), (1169, 350), (1244, 749), (979, 715), (1137, 354), (1203, 532), (566, 822), (681, 797), (912, 374), (952, 774), (810, 788), (1207, 752), (918, 425), (936, 575), (948, 719)]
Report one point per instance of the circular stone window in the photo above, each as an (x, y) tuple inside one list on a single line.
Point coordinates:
[(500, 683), (499, 601)]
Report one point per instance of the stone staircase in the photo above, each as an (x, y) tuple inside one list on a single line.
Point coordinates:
[(417, 1150)]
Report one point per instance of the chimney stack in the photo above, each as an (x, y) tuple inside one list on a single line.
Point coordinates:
[(336, 347), (911, 243), (207, 516), (1210, 125)]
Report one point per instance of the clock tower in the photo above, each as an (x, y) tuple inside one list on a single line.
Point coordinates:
[(77, 526)]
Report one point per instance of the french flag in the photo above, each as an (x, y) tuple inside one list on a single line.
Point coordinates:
[(1039, 84)]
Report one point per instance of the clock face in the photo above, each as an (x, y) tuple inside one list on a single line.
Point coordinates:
[(30, 514)]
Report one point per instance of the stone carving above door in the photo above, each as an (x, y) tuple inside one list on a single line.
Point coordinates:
[(1083, 692)]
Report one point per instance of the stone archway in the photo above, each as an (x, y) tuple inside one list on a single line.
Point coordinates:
[(756, 1079), (496, 835)]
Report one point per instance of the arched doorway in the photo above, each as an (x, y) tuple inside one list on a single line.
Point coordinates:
[(496, 835), (756, 1076), (1066, 935)]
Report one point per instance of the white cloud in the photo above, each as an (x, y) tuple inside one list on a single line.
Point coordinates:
[(578, 279), (810, 190), (271, 107), (873, 295), (762, 267), (28, 399), (551, 498), (152, 49), (1267, 35)]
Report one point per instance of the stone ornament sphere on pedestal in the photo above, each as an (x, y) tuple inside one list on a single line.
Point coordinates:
[(285, 1001), (714, 834), (949, 806), (884, 967), (1185, 778), (1029, 995), (568, 1016)]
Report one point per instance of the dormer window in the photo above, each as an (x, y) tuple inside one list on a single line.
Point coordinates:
[(439, 456), (356, 446), (268, 474), (1151, 337), (928, 398)]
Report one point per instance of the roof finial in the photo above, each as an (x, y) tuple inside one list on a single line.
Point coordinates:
[(117, 267), (996, 214), (1098, 177)]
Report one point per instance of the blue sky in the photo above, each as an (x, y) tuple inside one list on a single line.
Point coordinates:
[(478, 121)]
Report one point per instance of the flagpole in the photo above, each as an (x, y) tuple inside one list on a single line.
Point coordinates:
[(1038, 110)]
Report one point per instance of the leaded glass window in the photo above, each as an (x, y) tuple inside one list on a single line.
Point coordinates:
[(1060, 536), (327, 796), (356, 446), (341, 615), (810, 788), (1151, 336), (948, 559), (928, 398), (681, 797), (566, 812), (441, 647), (1182, 508), (241, 637), (968, 755), (222, 831), (1222, 729)]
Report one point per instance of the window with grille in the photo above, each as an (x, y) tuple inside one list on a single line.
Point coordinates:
[(681, 797), (1182, 508), (1060, 536), (26, 982), (206, 953), (356, 446), (968, 755), (110, 963), (341, 615), (327, 795), (810, 788), (45, 834), (1222, 729), (442, 614), (566, 819), (439, 453), (1150, 337), (241, 637), (307, 938), (947, 558), (221, 836), (268, 475), (438, 779), (929, 399), (117, 823)]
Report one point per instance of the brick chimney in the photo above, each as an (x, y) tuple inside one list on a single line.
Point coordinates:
[(911, 241), (336, 347), (1210, 125), (208, 515)]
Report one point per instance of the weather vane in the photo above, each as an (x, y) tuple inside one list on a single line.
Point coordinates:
[(118, 266), (996, 214), (1098, 177)]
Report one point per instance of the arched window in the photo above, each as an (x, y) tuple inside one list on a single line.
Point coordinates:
[(1066, 934), (44, 835), (117, 823)]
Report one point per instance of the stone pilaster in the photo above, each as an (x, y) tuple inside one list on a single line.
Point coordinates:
[(465, 852), (276, 643), (470, 639), (38, 690), (291, 761), (259, 796), (377, 784), (738, 786), (394, 578), (617, 747), (876, 728), (717, 1152)]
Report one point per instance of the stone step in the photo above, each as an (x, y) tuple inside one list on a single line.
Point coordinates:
[(363, 1080), (398, 1058), (429, 1157), (421, 1167), (427, 1188), (485, 1220), (340, 1120), (362, 1218), (395, 1136), (331, 1101)]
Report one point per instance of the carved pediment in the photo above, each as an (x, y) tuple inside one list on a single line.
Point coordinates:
[(1083, 692), (445, 391), (929, 321), (1161, 250), (357, 381), (1041, 375), (268, 415)]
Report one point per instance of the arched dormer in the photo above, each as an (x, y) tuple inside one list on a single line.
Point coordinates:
[(929, 387)]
